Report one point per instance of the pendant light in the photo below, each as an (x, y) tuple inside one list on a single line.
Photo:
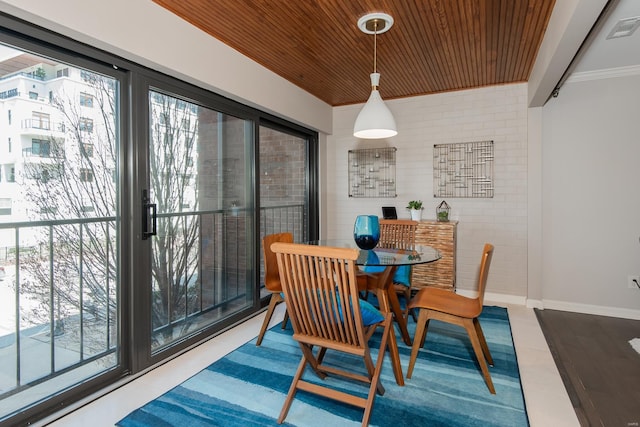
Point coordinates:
[(375, 120)]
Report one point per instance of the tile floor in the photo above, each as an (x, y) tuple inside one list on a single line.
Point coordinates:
[(546, 399)]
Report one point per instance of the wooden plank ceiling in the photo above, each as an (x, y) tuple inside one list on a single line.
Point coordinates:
[(433, 46)]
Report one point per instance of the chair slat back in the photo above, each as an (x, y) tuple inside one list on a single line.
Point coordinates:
[(320, 288), (398, 233)]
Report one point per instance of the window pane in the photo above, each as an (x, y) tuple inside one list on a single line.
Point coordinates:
[(58, 232), (201, 261), (283, 186)]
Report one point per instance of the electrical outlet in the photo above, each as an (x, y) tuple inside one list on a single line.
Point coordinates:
[(633, 282)]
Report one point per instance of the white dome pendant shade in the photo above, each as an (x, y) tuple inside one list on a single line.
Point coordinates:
[(375, 119)]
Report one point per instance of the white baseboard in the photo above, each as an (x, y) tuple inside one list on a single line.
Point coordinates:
[(623, 313), (535, 303)]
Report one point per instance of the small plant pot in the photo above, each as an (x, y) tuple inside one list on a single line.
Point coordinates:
[(416, 214)]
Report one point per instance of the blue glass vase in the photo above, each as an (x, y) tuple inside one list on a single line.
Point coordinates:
[(366, 231)]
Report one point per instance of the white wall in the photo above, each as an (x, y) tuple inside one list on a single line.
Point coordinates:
[(497, 113), (141, 31), (591, 196)]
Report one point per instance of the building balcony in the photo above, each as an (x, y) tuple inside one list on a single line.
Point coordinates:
[(41, 128), (34, 153)]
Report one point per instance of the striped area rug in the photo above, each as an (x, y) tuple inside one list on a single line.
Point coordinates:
[(248, 386)]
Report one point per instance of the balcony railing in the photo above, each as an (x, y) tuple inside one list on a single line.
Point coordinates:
[(86, 328), (23, 74), (43, 152), (46, 125)]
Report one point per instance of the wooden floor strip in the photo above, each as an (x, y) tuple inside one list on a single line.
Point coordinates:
[(599, 368)]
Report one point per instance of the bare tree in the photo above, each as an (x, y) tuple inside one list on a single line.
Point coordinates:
[(172, 148)]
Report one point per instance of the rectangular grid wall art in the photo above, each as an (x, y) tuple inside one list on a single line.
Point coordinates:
[(372, 172), (463, 169)]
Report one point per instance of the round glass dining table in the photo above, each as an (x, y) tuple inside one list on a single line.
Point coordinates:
[(378, 267), (385, 256)]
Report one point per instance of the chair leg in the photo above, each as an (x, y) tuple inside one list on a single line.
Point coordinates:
[(376, 386), (285, 319), (407, 298), (292, 390), (273, 302), (483, 341), (405, 292), (477, 348), (409, 310), (418, 339)]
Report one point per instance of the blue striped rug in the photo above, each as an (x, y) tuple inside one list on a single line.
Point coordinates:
[(248, 386)]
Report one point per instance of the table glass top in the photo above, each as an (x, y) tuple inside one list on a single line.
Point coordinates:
[(421, 254)]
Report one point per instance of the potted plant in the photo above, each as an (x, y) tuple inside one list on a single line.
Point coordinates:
[(415, 207)]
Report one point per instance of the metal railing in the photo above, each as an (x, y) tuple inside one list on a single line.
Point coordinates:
[(40, 124), (76, 318)]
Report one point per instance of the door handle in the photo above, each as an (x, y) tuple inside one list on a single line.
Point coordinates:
[(149, 216)]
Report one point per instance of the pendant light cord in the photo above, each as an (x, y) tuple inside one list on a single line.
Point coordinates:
[(375, 46)]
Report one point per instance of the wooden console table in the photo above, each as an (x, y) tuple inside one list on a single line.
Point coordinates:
[(442, 273)]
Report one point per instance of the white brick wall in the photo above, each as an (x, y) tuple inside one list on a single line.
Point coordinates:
[(497, 113)]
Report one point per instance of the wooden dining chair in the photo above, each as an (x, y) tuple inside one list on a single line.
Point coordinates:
[(400, 234), (272, 279), (326, 312), (447, 306)]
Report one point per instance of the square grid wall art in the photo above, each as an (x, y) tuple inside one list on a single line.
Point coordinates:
[(372, 172), (463, 169)]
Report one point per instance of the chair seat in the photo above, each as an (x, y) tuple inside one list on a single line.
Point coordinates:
[(446, 301)]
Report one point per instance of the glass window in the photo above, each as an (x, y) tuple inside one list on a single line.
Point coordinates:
[(40, 120), (86, 175), (86, 100), (283, 194), (85, 124), (40, 148), (5, 206), (87, 149), (63, 303)]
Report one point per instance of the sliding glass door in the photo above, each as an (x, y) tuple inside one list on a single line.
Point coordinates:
[(60, 228), (198, 218)]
